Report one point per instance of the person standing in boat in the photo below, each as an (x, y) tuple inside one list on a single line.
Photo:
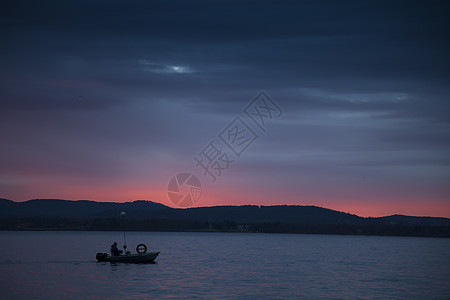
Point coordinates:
[(114, 250)]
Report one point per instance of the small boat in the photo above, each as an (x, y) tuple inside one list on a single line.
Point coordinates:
[(117, 255), (128, 258), (141, 257)]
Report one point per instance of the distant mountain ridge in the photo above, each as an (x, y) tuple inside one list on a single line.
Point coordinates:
[(72, 208), (143, 209)]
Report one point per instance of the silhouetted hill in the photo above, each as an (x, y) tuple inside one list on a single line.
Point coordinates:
[(246, 214), (73, 209), (277, 213), (409, 221)]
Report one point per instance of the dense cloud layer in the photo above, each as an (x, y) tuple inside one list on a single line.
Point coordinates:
[(119, 96)]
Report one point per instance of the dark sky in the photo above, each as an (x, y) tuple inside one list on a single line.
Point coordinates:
[(107, 100)]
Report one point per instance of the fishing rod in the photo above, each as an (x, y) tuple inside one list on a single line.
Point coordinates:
[(122, 215)]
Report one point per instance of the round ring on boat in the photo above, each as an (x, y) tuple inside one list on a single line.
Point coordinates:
[(141, 249)]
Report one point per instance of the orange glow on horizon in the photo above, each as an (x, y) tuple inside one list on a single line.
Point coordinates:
[(221, 196)]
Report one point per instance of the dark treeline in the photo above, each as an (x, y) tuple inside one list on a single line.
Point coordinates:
[(117, 224), (54, 214)]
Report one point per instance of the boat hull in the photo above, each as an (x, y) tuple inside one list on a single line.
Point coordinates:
[(130, 258)]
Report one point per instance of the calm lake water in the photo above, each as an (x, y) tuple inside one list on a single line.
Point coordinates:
[(62, 265)]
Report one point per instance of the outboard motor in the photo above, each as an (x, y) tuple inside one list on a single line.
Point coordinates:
[(101, 256)]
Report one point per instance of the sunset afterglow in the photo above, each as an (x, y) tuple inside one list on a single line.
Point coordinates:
[(109, 107)]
